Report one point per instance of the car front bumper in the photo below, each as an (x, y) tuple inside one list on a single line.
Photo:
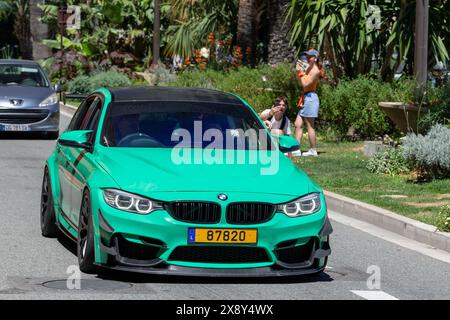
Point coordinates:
[(148, 244), (30, 119)]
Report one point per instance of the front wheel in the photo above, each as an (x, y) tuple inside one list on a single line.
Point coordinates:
[(48, 220), (85, 242)]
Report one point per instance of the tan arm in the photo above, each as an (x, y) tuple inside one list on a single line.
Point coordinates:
[(266, 114)]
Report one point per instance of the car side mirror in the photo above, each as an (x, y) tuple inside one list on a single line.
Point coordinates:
[(287, 144), (58, 88), (76, 139)]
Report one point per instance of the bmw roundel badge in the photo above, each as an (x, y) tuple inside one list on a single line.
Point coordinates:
[(222, 197)]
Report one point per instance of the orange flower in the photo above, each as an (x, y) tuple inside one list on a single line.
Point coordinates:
[(211, 38)]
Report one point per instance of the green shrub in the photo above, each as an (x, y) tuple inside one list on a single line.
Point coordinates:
[(443, 219), (259, 86), (80, 84), (87, 84), (354, 104), (439, 108), (389, 161), (429, 154)]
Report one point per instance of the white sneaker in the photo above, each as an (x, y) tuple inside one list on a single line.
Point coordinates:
[(310, 153), (297, 153)]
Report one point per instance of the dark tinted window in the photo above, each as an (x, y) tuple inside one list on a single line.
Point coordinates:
[(168, 124), (82, 114), (88, 119)]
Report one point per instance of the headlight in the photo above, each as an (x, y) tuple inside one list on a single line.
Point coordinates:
[(52, 99), (308, 204), (130, 202)]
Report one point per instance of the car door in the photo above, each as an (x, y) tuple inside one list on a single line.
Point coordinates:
[(66, 158), (84, 162)]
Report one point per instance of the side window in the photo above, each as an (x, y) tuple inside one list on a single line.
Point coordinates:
[(93, 122), (80, 114), (88, 116)]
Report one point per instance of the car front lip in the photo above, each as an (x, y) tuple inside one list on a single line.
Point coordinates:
[(174, 270)]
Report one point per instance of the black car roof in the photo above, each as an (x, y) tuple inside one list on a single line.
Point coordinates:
[(18, 61), (172, 94)]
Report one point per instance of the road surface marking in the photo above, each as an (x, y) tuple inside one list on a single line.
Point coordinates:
[(373, 295), (391, 237)]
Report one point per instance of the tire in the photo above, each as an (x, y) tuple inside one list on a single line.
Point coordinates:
[(85, 241), (48, 219), (52, 135)]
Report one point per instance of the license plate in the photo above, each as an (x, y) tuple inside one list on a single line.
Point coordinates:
[(238, 236), (15, 127)]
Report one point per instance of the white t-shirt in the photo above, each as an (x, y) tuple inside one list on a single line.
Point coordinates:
[(275, 124)]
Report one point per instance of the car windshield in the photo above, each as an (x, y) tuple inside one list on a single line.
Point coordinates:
[(22, 75), (183, 124)]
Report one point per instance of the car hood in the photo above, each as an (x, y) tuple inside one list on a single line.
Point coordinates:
[(147, 171), (31, 96)]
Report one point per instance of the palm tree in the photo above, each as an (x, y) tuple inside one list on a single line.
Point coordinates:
[(340, 28), (20, 10), (39, 32), (246, 28), (279, 49), (192, 20)]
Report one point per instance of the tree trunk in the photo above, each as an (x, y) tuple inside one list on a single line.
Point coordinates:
[(22, 30), (279, 49), (39, 32), (156, 33), (329, 53), (246, 29)]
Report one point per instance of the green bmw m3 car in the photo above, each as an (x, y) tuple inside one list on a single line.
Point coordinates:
[(182, 181)]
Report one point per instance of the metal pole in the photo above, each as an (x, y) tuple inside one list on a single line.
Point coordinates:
[(156, 32), (421, 48)]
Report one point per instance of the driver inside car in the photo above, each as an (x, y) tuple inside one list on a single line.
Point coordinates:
[(124, 126)]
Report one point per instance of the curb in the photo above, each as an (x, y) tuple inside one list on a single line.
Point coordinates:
[(69, 106), (68, 109), (388, 220)]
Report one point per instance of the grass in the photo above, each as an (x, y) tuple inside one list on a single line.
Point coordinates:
[(341, 168)]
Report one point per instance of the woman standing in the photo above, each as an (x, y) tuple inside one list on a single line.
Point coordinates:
[(309, 79)]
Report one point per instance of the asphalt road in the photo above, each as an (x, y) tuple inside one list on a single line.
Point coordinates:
[(33, 267)]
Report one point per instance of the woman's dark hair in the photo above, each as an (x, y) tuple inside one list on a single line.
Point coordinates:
[(279, 99)]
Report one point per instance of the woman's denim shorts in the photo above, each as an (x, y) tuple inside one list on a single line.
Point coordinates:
[(311, 106)]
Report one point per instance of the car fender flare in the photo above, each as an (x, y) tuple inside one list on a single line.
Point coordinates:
[(95, 220)]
